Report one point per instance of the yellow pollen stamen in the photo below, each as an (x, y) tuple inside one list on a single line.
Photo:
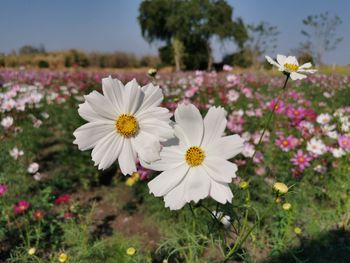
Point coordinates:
[(194, 156), (126, 125), (291, 67)]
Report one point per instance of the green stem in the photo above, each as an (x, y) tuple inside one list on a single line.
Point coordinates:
[(270, 117), (238, 244)]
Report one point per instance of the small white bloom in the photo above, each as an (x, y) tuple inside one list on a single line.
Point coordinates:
[(196, 166), (33, 168), (248, 150), (7, 122), (37, 176), (324, 118), (224, 219), (124, 123), (232, 95), (316, 146), (15, 153), (227, 68), (337, 152), (290, 66), (320, 169), (332, 134)]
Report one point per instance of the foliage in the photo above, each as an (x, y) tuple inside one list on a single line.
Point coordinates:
[(193, 23), (321, 34), (103, 216)]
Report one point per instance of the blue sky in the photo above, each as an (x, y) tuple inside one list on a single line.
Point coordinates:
[(109, 25)]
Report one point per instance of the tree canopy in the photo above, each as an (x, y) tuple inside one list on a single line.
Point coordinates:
[(193, 23)]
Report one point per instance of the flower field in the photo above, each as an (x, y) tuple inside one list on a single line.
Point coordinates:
[(63, 198)]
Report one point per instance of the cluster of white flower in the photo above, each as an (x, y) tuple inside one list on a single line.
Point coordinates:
[(126, 123)]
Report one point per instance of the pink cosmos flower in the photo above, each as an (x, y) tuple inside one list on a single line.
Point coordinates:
[(344, 142), (301, 160), (235, 121), (227, 68), (3, 189), (279, 106), (144, 173), (296, 113), (33, 168), (21, 207), (232, 95), (232, 79), (7, 122), (286, 144), (63, 199)]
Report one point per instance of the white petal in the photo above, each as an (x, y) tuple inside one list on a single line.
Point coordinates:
[(281, 59), (225, 147), (273, 62), (221, 192), (306, 65), (295, 76), (220, 170), (134, 96), (127, 158), (154, 112), (88, 114), (107, 150), (171, 157), (87, 136), (190, 120), (113, 91), (197, 184), (311, 71), (153, 96), (183, 139), (167, 180), (292, 60), (175, 199), (146, 146), (101, 105), (214, 125), (161, 129)]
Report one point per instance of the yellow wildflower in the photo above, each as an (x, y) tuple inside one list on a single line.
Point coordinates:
[(63, 257), (131, 251), (280, 188)]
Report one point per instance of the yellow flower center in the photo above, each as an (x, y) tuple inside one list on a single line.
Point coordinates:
[(291, 67), (126, 125), (285, 142), (194, 156)]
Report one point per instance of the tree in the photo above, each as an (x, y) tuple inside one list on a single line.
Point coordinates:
[(262, 39), (321, 36), (29, 50), (190, 25)]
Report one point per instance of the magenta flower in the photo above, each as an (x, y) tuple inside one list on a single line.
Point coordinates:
[(344, 142), (301, 160), (296, 113), (286, 144), (3, 189), (279, 106), (21, 207)]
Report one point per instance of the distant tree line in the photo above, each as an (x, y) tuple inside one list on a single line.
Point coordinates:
[(186, 29), (29, 55)]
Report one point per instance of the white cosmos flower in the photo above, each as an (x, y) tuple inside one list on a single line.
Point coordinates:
[(316, 146), (290, 66), (196, 166), (124, 123), (324, 118)]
